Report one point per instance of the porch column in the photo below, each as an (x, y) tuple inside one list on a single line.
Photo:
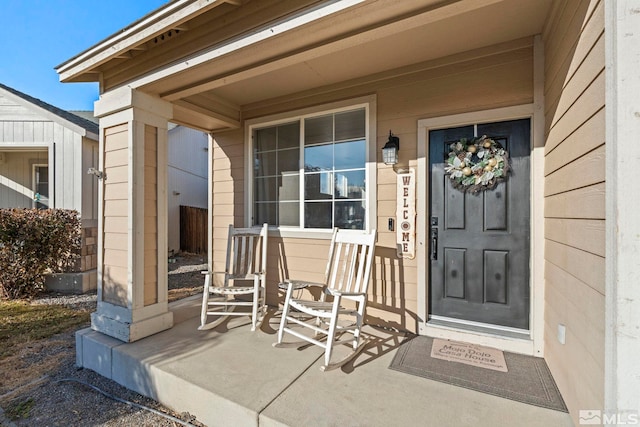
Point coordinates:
[(622, 304), (132, 228)]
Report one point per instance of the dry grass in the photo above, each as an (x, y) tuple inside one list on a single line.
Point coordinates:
[(30, 344), (34, 360), (22, 322)]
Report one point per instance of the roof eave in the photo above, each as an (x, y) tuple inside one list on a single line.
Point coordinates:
[(81, 68)]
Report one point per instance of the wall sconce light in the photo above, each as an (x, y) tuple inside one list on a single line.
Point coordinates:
[(97, 173), (390, 150)]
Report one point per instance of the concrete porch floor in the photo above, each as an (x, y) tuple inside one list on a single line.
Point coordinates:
[(232, 376)]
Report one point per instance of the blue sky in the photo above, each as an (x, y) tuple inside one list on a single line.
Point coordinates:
[(38, 35)]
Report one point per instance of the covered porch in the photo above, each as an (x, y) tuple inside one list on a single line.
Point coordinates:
[(243, 69), (232, 376)]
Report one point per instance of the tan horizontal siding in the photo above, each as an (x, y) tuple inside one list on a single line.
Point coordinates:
[(587, 203), (229, 151), (579, 81), (584, 321), (586, 266), (116, 257), (114, 289), (582, 109), (111, 131), (116, 208), (221, 221), (150, 242), (584, 139), (116, 158), (116, 191), (565, 363), (116, 225), (586, 235), (115, 214), (586, 315), (117, 174), (224, 198), (474, 88), (575, 200), (392, 313), (582, 172), (560, 70), (227, 209), (150, 175), (116, 240)]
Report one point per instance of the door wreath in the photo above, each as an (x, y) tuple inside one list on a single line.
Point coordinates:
[(476, 164)]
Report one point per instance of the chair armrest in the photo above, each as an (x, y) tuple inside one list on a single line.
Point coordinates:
[(344, 294), (298, 284)]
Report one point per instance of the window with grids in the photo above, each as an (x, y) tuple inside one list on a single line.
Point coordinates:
[(311, 172)]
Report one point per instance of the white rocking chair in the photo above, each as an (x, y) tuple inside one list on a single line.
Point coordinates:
[(246, 262), (346, 278)]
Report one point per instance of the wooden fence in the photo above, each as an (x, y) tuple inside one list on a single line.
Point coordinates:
[(193, 230)]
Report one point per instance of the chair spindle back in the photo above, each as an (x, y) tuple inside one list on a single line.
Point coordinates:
[(350, 263), (246, 251)]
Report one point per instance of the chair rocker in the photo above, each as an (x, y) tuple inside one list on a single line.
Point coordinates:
[(245, 263), (346, 280)]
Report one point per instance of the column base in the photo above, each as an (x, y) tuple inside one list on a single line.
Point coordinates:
[(129, 332)]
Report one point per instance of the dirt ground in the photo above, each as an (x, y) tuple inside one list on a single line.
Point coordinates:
[(41, 386)]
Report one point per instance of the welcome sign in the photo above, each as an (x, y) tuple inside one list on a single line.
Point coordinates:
[(406, 215)]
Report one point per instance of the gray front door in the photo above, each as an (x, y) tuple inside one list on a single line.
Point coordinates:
[(480, 242)]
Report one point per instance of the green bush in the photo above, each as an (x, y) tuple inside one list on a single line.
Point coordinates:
[(34, 243)]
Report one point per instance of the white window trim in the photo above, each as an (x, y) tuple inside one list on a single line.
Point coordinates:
[(367, 102), (34, 184)]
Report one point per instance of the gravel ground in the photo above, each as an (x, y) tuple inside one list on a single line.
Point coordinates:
[(57, 393)]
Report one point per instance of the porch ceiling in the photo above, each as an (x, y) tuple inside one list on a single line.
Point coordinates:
[(355, 40), (490, 25)]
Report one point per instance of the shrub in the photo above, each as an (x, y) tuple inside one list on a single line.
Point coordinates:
[(34, 243)]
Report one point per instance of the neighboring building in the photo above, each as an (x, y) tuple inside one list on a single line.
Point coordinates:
[(45, 153), (32, 132), (186, 177), (300, 95)]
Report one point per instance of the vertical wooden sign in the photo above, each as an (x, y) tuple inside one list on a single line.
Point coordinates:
[(406, 215)]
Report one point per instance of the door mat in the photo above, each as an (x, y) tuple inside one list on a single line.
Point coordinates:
[(527, 380), (469, 354)]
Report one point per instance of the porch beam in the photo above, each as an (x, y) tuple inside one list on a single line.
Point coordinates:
[(430, 15), (224, 119)]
